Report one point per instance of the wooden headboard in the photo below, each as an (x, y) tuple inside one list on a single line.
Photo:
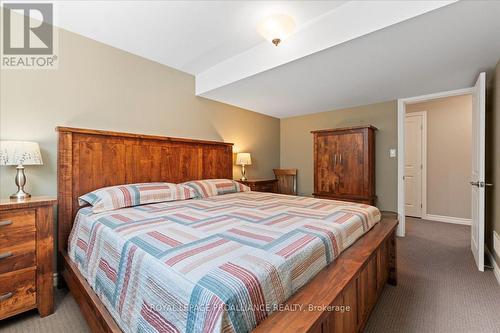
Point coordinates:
[(91, 159)]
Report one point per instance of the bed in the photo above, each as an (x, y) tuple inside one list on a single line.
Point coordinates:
[(305, 280)]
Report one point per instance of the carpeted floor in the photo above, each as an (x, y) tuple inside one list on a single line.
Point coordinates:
[(66, 319), (439, 290), (439, 287)]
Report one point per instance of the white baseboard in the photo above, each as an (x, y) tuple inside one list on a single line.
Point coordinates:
[(496, 244), (496, 250), (496, 268), (447, 219)]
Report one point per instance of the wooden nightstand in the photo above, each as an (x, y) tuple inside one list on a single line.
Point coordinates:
[(260, 185), (26, 256)]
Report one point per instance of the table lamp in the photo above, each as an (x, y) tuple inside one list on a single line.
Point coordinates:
[(243, 159), (20, 153)]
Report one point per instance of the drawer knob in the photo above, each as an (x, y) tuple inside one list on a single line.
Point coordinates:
[(6, 296), (5, 255), (4, 223)]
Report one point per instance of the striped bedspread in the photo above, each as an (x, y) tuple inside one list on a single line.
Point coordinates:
[(219, 264)]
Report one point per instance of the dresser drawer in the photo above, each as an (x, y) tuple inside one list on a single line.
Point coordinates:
[(17, 292), (17, 240)]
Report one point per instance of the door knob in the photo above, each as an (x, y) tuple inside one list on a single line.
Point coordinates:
[(480, 184)]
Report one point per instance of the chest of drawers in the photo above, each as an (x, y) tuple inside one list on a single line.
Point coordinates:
[(26, 256)]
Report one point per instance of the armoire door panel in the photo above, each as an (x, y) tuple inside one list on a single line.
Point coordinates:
[(351, 163), (326, 162)]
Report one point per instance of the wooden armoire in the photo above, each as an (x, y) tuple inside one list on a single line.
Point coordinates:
[(344, 164)]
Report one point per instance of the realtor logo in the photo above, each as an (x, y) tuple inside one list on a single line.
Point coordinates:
[(28, 36)]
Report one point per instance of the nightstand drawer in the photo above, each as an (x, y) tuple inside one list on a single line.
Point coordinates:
[(17, 292), (260, 185), (264, 187), (17, 240)]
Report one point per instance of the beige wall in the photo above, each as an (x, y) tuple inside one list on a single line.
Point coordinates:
[(493, 160), (449, 135), (98, 86), (297, 145)]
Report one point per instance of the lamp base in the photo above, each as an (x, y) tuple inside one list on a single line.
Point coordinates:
[(20, 182), (20, 195), (243, 173)]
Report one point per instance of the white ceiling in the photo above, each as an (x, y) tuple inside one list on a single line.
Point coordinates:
[(191, 36), (351, 20), (344, 53), (441, 50)]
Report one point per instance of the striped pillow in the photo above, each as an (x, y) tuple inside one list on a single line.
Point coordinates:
[(211, 187), (115, 197)]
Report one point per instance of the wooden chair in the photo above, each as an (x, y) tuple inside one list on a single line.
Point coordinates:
[(287, 181)]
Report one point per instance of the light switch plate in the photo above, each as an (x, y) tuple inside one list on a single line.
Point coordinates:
[(392, 152)]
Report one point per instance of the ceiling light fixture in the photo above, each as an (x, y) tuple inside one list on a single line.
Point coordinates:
[(276, 28)]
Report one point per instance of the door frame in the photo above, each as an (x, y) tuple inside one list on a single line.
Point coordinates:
[(423, 160), (402, 102)]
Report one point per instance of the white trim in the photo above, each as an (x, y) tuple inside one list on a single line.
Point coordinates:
[(424, 164), (447, 219), (55, 279), (424, 98), (401, 144), (496, 243), (423, 160), (401, 169), (496, 269)]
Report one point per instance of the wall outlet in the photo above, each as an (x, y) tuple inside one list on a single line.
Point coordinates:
[(392, 152)]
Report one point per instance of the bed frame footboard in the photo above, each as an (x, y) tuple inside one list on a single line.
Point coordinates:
[(341, 297)]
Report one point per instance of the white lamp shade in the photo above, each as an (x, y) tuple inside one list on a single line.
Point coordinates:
[(20, 153), (243, 159), (278, 26)]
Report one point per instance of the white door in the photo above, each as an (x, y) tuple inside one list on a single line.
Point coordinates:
[(413, 164), (477, 178)]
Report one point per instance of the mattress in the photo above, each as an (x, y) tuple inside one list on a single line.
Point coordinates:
[(219, 264)]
